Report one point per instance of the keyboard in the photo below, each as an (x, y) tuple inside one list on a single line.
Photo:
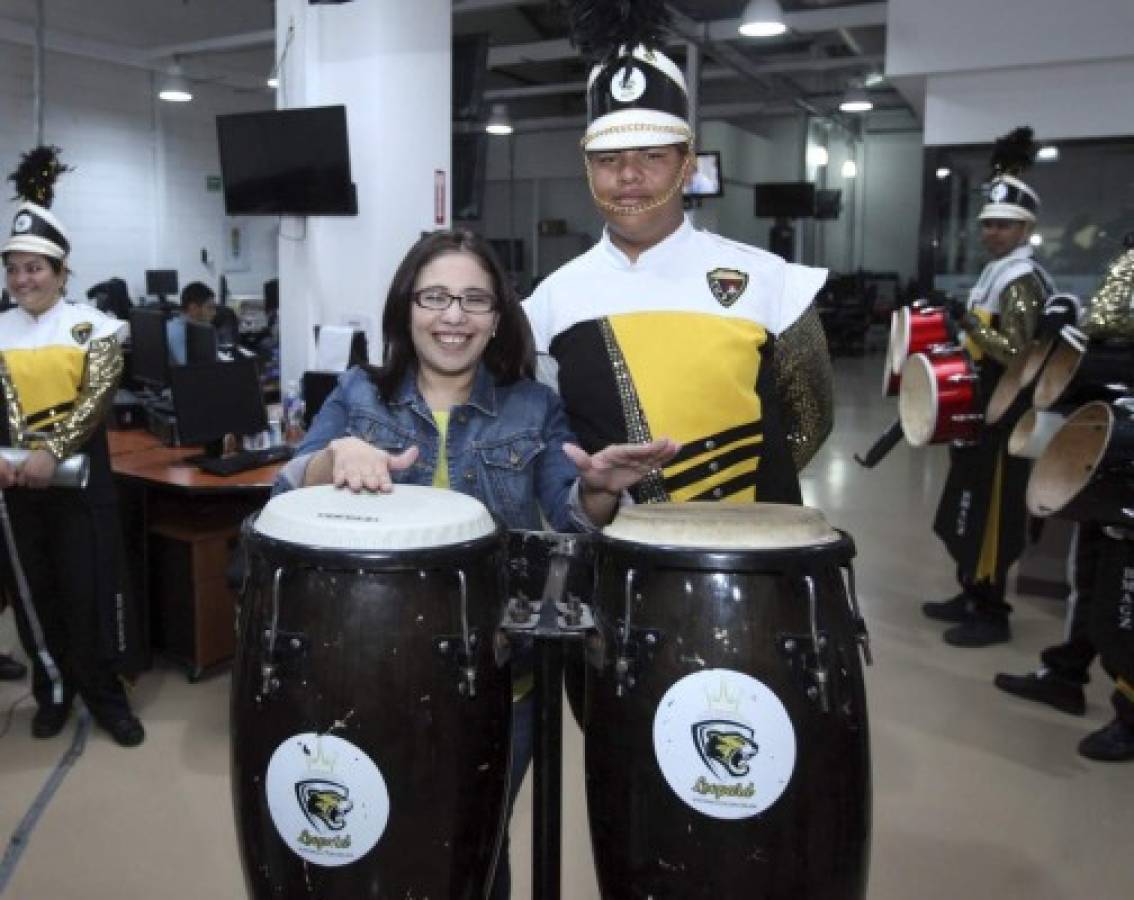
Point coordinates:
[(242, 462)]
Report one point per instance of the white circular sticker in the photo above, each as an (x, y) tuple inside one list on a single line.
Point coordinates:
[(724, 743), (626, 87), (327, 799), (22, 223)]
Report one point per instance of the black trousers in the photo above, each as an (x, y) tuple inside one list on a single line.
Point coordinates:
[(1071, 659), (62, 551), (1112, 618)]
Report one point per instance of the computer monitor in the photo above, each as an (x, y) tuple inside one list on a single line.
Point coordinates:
[(707, 179), (215, 399), (149, 351), (200, 343), (161, 283)]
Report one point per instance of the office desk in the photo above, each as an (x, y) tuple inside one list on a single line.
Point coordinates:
[(182, 525)]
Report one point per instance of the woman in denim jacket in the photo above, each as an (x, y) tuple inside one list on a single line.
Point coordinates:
[(455, 406)]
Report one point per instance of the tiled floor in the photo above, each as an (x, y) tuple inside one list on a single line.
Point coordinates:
[(976, 794)]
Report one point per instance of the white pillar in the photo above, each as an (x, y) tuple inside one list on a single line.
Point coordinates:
[(389, 63)]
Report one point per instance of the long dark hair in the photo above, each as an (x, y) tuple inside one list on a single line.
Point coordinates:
[(509, 356)]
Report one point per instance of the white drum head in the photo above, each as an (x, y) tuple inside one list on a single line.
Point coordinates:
[(917, 400), (1069, 462), (722, 526), (1007, 389), (1058, 372), (900, 329), (409, 518)]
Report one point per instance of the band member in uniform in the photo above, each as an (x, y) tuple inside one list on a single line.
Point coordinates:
[(1101, 615), (59, 366), (664, 329), (982, 517)]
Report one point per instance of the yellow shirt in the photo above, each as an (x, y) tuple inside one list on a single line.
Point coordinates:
[(441, 473)]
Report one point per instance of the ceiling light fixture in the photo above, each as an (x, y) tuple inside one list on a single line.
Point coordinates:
[(174, 86), (817, 156), (1050, 153), (856, 101), (499, 122), (943, 173), (762, 18)]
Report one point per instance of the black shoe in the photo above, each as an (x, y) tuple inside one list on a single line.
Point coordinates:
[(10, 669), (1111, 743), (955, 609), (48, 721), (979, 631), (1044, 686), (126, 730)]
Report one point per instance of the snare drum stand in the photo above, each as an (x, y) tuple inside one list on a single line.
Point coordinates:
[(554, 618)]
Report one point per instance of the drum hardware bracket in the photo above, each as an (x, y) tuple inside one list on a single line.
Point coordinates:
[(460, 648), (574, 615), (267, 669), (805, 662), (861, 635), (636, 646), (967, 417)]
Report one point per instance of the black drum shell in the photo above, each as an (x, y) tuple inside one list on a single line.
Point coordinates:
[(813, 841), (372, 675)]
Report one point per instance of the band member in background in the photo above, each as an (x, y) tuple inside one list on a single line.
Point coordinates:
[(59, 366), (664, 329), (982, 518)]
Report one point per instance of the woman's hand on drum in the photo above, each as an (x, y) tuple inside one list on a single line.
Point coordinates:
[(360, 466), (37, 470), (603, 476)]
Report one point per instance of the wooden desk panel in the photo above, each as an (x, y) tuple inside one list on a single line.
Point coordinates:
[(182, 524)]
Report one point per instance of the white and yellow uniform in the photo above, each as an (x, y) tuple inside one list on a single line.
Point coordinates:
[(686, 342)]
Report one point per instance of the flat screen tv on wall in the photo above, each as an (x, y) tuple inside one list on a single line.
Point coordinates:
[(785, 199), (286, 162)]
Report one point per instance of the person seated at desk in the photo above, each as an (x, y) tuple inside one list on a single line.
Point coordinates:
[(198, 304)]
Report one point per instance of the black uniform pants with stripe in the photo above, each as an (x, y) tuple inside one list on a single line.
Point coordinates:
[(1071, 659), (1112, 620), (57, 542)]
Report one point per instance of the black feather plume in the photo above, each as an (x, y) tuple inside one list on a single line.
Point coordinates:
[(35, 175), (600, 27), (1014, 152)]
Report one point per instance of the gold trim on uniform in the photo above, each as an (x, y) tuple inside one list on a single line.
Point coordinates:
[(804, 384), (96, 394), (1021, 303), (1110, 315), (650, 489)]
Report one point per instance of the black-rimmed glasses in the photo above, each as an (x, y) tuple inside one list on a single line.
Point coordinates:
[(439, 300)]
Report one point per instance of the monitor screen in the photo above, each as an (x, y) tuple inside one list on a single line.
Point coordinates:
[(828, 203), (161, 282), (200, 343), (149, 352), (707, 180), (213, 399), (286, 162), (317, 387), (786, 199)]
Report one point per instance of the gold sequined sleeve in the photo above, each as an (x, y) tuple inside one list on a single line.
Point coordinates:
[(100, 380), (802, 368), (1021, 303), (1112, 309)]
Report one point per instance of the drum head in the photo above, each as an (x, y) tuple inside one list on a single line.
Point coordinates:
[(917, 400), (722, 526), (1057, 373), (1007, 389), (1071, 459), (899, 348), (1036, 357), (408, 518)]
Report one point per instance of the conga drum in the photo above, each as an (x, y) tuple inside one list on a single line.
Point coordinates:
[(727, 752), (371, 722)]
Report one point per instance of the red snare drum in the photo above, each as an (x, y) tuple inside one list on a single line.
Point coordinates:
[(940, 398), (919, 329), (891, 377)]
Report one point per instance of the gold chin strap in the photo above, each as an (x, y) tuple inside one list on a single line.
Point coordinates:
[(617, 210)]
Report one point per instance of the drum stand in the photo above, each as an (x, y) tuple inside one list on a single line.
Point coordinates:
[(557, 616)]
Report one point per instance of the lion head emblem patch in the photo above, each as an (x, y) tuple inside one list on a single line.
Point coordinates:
[(725, 747), (727, 285), (324, 803)]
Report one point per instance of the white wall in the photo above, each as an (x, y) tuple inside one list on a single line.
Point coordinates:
[(889, 206), (389, 63), (1064, 68), (137, 198)]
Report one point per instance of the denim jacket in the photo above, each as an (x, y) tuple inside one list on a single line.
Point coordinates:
[(504, 446)]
